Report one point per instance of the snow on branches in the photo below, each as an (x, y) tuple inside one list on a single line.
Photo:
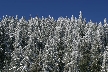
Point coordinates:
[(48, 45)]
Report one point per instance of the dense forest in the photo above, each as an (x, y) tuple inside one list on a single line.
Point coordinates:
[(49, 45)]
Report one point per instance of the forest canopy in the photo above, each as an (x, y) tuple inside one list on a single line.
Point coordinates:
[(49, 45)]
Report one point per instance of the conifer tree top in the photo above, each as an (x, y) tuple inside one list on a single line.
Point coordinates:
[(80, 16)]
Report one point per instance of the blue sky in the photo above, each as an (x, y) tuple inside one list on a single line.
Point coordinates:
[(96, 10)]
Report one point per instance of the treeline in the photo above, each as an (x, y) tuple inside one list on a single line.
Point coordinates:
[(49, 45)]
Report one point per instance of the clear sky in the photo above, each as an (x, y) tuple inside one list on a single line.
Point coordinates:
[(96, 10)]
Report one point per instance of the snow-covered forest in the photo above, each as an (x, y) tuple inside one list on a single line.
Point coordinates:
[(49, 45)]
